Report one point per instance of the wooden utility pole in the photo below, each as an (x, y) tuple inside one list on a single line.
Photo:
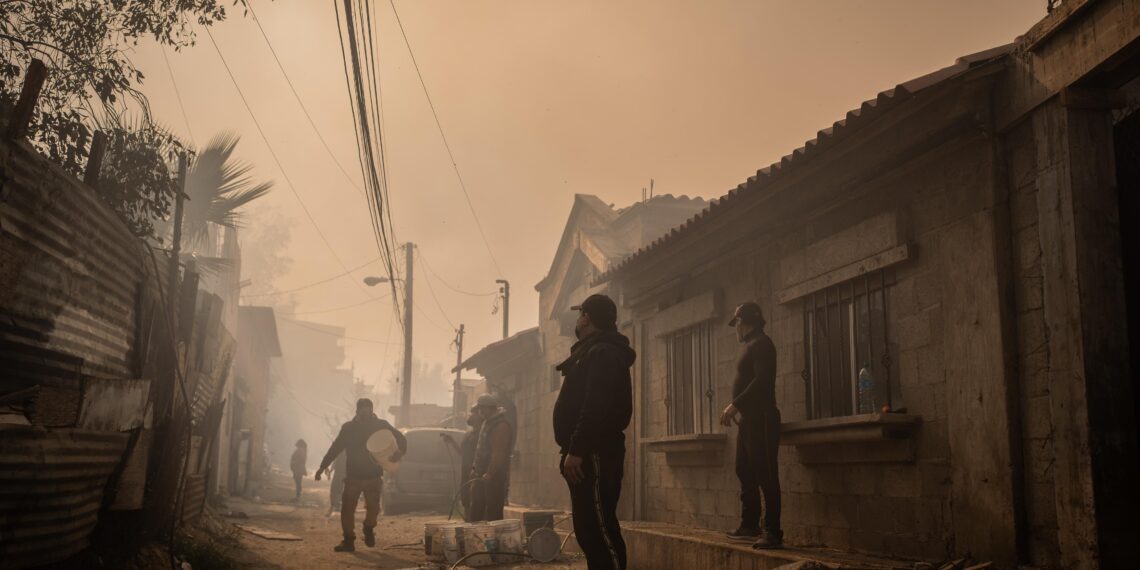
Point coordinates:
[(458, 396), (505, 290), (406, 387)]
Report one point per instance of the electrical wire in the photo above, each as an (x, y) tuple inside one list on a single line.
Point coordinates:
[(322, 331), (446, 145), (431, 290), (360, 102), (177, 94), (424, 262), (304, 109), (276, 160), (366, 302), (315, 283)]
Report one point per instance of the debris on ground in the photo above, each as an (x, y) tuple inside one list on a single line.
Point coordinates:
[(267, 533)]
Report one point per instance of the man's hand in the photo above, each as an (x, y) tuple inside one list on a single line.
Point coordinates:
[(486, 476), (572, 469), (728, 415), (319, 473)]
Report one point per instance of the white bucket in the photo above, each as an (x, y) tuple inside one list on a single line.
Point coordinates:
[(510, 536), (433, 539), (480, 537), (452, 537)]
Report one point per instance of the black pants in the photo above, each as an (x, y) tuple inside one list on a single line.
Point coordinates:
[(487, 499), (757, 447), (595, 501), (297, 475)]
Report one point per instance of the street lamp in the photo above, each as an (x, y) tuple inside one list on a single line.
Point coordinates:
[(406, 386)]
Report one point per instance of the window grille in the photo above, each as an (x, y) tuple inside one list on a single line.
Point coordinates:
[(690, 388), (848, 329)]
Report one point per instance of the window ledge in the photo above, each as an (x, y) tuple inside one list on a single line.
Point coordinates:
[(692, 450), (689, 443), (862, 428)]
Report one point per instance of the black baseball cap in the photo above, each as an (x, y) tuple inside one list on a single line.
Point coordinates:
[(600, 308), (748, 313)]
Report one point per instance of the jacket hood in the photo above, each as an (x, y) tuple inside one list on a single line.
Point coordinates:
[(612, 338)]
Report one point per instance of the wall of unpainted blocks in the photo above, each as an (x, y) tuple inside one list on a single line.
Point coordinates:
[(895, 508)]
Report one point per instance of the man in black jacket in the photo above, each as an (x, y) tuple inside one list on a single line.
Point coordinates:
[(362, 474), (593, 409), (758, 441)]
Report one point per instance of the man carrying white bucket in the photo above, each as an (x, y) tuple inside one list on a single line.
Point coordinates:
[(363, 473)]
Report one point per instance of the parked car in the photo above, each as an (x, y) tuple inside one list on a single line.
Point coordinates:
[(429, 474)]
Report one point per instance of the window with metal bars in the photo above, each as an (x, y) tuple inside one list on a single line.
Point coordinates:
[(849, 356), (690, 388)]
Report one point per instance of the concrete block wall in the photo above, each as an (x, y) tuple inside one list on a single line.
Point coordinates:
[(900, 509), (1032, 350)]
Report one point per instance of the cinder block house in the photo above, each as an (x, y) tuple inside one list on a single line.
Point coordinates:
[(961, 237)]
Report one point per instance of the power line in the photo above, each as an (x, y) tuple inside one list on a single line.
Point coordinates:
[(277, 161), (297, 96), (427, 265), (366, 302), (454, 165), (322, 331), (177, 94), (431, 290), (322, 281)]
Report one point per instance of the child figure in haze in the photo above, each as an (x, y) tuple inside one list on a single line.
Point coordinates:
[(297, 465)]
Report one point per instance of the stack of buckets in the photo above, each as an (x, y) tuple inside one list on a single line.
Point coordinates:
[(447, 541)]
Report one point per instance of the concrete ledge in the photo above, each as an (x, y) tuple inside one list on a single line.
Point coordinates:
[(662, 545)]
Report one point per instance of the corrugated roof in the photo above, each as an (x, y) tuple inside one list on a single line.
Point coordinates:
[(503, 351), (826, 138)]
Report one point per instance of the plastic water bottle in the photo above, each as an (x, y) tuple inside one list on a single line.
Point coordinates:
[(866, 390)]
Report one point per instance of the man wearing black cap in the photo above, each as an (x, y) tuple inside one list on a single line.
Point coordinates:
[(593, 409), (758, 441)]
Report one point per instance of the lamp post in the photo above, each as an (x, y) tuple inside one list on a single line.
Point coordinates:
[(406, 384)]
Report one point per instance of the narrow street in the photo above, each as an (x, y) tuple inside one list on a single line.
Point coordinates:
[(399, 538)]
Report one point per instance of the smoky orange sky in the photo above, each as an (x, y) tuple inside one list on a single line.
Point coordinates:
[(539, 100)]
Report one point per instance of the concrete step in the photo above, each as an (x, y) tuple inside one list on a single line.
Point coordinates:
[(660, 545)]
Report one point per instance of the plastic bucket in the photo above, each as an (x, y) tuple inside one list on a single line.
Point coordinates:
[(433, 540), (453, 537), (480, 537), (510, 537)]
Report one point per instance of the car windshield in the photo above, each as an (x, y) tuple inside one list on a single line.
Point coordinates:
[(428, 447)]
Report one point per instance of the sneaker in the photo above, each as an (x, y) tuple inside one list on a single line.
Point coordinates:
[(744, 534), (369, 536), (769, 540), (345, 546)]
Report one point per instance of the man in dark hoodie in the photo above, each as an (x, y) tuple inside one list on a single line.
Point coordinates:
[(362, 474), (593, 409), (758, 441), (492, 462)]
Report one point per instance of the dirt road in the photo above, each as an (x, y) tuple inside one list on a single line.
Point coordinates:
[(398, 537)]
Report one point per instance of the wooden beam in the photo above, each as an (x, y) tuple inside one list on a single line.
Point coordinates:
[(26, 104), (95, 159), (878, 261)]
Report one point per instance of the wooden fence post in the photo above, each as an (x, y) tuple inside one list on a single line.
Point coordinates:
[(95, 159), (26, 104)]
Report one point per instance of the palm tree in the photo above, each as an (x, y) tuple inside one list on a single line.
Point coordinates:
[(217, 187)]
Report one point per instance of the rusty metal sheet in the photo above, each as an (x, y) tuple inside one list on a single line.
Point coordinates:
[(193, 498), (51, 489), (114, 405), (71, 273)]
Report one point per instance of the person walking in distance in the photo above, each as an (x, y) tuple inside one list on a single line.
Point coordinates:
[(492, 461), (592, 411), (297, 465), (758, 439), (362, 474)]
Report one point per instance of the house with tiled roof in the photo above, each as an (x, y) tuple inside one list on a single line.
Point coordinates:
[(962, 240)]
